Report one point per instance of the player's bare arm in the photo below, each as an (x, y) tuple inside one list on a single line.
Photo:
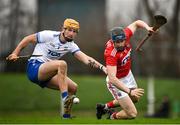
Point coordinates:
[(113, 79), (140, 24), (89, 61), (23, 43), (138, 92)]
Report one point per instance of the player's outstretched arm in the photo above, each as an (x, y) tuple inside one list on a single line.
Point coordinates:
[(140, 24), (23, 43), (89, 61)]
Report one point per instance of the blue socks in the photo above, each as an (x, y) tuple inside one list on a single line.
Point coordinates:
[(64, 95)]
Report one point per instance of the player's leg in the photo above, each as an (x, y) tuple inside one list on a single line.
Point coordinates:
[(49, 69), (130, 82), (43, 73), (66, 107), (72, 86), (112, 104), (72, 89), (128, 109), (102, 109), (58, 68)]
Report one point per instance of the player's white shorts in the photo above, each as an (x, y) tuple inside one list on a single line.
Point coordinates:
[(128, 81)]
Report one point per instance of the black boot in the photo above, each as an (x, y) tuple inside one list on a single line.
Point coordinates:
[(100, 110)]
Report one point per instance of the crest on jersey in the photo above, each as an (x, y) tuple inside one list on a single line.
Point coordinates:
[(125, 59)]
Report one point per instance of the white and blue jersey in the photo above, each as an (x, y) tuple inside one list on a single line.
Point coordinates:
[(51, 48)]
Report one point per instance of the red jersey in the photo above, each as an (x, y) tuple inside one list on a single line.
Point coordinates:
[(121, 59)]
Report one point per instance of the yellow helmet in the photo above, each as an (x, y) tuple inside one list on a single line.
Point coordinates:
[(71, 23)]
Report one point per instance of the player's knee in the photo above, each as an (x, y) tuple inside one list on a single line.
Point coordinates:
[(132, 114), (73, 89), (62, 66)]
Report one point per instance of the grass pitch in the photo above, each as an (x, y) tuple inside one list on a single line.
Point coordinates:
[(23, 102), (81, 118)]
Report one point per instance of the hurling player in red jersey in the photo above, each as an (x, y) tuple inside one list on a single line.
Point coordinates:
[(120, 80)]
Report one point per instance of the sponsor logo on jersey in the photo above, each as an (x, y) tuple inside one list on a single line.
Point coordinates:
[(53, 53)]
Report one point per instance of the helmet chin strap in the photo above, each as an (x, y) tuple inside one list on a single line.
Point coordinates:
[(67, 39)]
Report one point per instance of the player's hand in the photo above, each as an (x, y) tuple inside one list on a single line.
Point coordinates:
[(134, 99), (137, 92), (12, 57), (150, 30)]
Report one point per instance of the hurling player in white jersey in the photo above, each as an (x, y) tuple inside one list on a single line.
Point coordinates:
[(48, 70)]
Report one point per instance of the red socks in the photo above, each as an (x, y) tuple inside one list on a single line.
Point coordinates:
[(113, 116), (111, 105)]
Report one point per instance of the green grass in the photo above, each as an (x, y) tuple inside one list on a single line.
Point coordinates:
[(25, 102), (81, 118)]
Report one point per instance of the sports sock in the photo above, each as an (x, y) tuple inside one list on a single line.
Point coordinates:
[(64, 95), (113, 116), (109, 105)]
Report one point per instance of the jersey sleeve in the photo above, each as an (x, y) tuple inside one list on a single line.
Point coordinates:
[(128, 32), (74, 48), (44, 36)]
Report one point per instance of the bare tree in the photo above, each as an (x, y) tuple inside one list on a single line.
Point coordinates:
[(13, 21), (163, 51), (18, 19)]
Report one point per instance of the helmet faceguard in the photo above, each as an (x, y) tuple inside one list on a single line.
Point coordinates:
[(117, 34)]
